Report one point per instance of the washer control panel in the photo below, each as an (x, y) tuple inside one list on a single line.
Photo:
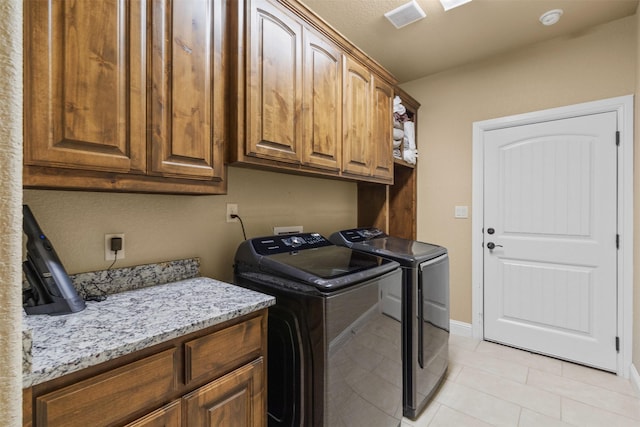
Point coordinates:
[(288, 243)]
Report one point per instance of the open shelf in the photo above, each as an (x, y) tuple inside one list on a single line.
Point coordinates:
[(392, 208)]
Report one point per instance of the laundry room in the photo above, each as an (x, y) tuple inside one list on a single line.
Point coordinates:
[(173, 205)]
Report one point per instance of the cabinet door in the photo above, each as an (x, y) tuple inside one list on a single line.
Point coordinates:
[(167, 416), (322, 103), (188, 89), (85, 85), (274, 96), (382, 130), (235, 400), (357, 115)]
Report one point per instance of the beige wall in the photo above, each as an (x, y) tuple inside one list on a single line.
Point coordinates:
[(166, 227), (598, 63), (10, 213)]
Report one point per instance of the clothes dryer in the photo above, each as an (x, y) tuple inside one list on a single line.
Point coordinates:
[(420, 300)]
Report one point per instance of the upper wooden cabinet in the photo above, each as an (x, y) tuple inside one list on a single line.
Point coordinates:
[(274, 92), (188, 87), (308, 100), (357, 135), (368, 123), (322, 103), (85, 85), (125, 96), (382, 129)]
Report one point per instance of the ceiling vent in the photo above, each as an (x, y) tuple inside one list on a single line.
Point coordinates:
[(451, 4), (405, 14)]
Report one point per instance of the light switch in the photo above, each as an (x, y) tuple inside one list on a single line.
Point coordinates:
[(462, 212)]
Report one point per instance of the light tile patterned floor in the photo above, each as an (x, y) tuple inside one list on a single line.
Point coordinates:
[(494, 385)]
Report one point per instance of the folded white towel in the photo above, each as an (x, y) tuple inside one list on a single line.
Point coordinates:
[(397, 143), (410, 156), (398, 134), (399, 108), (397, 154), (410, 134)]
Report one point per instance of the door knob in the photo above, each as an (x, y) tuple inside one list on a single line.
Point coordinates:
[(492, 246)]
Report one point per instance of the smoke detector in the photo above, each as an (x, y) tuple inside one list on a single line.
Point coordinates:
[(551, 17), (405, 14)]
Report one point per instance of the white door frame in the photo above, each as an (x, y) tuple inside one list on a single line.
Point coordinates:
[(623, 105)]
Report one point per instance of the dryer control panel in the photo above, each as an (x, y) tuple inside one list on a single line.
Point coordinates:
[(362, 234)]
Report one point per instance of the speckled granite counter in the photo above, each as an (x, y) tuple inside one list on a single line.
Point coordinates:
[(130, 321)]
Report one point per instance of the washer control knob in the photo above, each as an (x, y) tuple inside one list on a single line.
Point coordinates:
[(296, 241)]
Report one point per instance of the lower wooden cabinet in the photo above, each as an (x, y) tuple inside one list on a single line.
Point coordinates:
[(168, 416), (229, 401), (212, 377)]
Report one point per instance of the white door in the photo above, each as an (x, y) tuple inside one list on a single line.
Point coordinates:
[(550, 209), (391, 298)]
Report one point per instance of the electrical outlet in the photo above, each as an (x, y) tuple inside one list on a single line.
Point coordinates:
[(232, 209), (110, 255), (291, 229)]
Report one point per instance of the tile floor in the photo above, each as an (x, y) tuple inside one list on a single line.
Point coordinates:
[(493, 385)]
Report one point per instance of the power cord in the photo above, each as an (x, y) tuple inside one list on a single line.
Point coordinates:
[(115, 258), (241, 223), (116, 245)]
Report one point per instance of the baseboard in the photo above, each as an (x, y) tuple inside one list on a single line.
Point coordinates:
[(634, 378), (460, 328)]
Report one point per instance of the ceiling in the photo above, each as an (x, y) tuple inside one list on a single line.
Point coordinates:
[(471, 32)]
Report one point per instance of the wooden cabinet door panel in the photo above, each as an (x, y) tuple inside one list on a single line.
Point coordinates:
[(275, 84), (322, 103), (235, 400), (187, 111), (168, 416), (85, 85), (357, 115), (382, 130)]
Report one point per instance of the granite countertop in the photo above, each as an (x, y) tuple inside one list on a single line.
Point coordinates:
[(129, 321)]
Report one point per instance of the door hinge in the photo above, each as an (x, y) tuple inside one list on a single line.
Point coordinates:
[(617, 241), (618, 138), (618, 344)]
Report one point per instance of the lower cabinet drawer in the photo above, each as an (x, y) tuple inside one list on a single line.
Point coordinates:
[(111, 397), (210, 356)]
